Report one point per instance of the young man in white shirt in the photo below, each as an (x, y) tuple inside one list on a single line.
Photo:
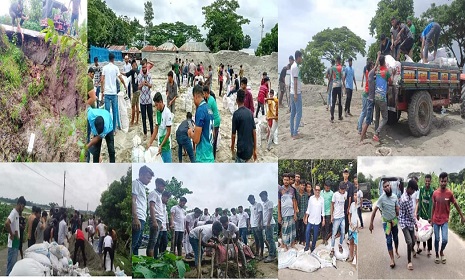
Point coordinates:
[(206, 232), (102, 231), (178, 220), (353, 229), (108, 244), (314, 215), (163, 123), (269, 224), (256, 223), (162, 240), (156, 214), (359, 201), (191, 222), (243, 223), (338, 216), (230, 230), (233, 218), (139, 206), (12, 227), (205, 216)]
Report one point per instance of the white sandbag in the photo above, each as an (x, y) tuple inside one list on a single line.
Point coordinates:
[(286, 259), (258, 132), (408, 59), (119, 272), (218, 141), (225, 101), (44, 260), (39, 249), (151, 156), (345, 251), (231, 106), (306, 263), (123, 112), (136, 141), (425, 230), (275, 137), (188, 105), (108, 263), (184, 81), (263, 130), (138, 154), (56, 264), (29, 267), (323, 255), (64, 262)]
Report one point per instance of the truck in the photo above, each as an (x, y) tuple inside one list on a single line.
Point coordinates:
[(366, 200), (421, 90)]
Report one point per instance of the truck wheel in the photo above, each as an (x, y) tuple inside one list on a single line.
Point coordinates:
[(393, 117), (420, 113)]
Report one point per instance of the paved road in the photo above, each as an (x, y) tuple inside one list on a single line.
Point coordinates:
[(374, 258)]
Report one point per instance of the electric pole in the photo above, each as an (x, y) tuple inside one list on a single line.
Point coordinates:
[(64, 187), (261, 34)]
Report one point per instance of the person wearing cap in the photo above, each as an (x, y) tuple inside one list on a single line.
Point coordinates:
[(256, 224), (349, 81), (139, 206), (338, 216), (101, 127), (429, 36), (350, 189), (413, 30), (287, 212), (385, 45), (127, 65), (12, 227), (156, 214), (243, 125), (296, 95)]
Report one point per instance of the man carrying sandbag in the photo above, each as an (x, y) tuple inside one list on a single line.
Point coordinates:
[(423, 209)]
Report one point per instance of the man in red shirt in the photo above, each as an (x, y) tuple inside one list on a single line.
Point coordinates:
[(80, 244), (248, 102), (442, 198)]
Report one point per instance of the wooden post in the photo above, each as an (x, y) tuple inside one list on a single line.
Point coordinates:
[(213, 262), (227, 256), (237, 259), (199, 260)]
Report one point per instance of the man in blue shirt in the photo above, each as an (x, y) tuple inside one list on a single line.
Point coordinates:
[(101, 126), (202, 134), (349, 80), (430, 35)]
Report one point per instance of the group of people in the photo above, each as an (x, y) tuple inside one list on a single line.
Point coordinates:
[(306, 212), (187, 228), (403, 208), (54, 226), (198, 139)]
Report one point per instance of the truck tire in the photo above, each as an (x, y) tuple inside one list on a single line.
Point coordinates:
[(393, 117), (420, 113)]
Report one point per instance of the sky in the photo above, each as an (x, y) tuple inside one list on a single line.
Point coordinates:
[(402, 166), (82, 16), (294, 34), (84, 182), (219, 184), (190, 13)]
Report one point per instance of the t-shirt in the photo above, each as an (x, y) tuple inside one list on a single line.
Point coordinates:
[(179, 218), (40, 232), (97, 74), (394, 32), (349, 74), (234, 219), (183, 128), (207, 232), (215, 218), (164, 216), (365, 74), (90, 229), (214, 107), (266, 213), (191, 219), (35, 223), (176, 68), (371, 85), (388, 205), (427, 29), (385, 48), (315, 210), (256, 212), (145, 98), (138, 189), (134, 80), (62, 230), (163, 121), (328, 198), (110, 72), (205, 218), (282, 75), (295, 73), (442, 201), (90, 87), (287, 200), (415, 197), (172, 90), (127, 67), (425, 203), (248, 101), (336, 73), (198, 79), (107, 241), (76, 4), (406, 33), (243, 125), (242, 219), (354, 215), (14, 225), (230, 231), (92, 114), (204, 119), (79, 235), (101, 229), (262, 93), (359, 198), (413, 30), (272, 109), (382, 78), (155, 197), (192, 68), (339, 200)]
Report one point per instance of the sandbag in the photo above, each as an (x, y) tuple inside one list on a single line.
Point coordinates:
[(345, 251), (408, 59), (275, 137), (151, 156), (225, 101), (188, 105), (425, 230), (108, 263), (64, 262), (221, 252), (123, 112), (39, 249), (323, 254), (258, 133), (286, 259), (218, 140), (231, 105), (138, 154), (263, 130), (56, 264), (59, 251), (306, 263), (38, 257), (29, 267)]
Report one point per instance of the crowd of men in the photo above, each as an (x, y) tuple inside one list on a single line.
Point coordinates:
[(403, 208), (197, 228), (307, 213), (198, 139), (54, 226)]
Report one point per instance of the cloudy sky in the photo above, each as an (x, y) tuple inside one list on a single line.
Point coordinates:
[(299, 23), (43, 182), (218, 185), (402, 166), (190, 12)]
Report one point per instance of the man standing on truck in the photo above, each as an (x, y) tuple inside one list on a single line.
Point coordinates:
[(414, 32), (404, 39), (430, 35)]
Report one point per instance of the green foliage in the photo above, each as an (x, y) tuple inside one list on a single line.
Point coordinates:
[(168, 266), (224, 25), (148, 13), (451, 18), (381, 21), (34, 11), (247, 42), (5, 210), (269, 43), (35, 88), (178, 32), (312, 69)]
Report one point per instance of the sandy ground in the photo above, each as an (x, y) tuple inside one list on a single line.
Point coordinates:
[(322, 139)]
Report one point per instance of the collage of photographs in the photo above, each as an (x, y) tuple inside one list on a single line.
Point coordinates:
[(129, 130)]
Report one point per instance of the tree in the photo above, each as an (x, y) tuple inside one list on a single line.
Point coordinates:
[(178, 32), (338, 42), (247, 42), (312, 69), (269, 43), (451, 18), (177, 191), (224, 25), (148, 14)]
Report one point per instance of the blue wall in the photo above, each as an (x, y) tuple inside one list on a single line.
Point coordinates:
[(102, 54)]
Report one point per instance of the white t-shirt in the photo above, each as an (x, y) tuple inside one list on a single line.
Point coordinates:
[(179, 217), (165, 219), (215, 218), (207, 232), (14, 219), (231, 231), (359, 198), (255, 211), (242, 219), (166, 120), (107, 241), (199, 78), (315, 210), (90, 229), (127, 67), (191, 219), (111, 72), (62, 231), (354, 215), (339, 200), (138, 189), (155, 197), (295, 74), (234, 219), (266, 213), (101, 229), (415, 197), (205, 218), (91, 222)]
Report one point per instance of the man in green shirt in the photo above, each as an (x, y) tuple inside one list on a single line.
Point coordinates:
[(413, 30), (177, 72), (163, 123), (216, 116), (423, 209), (327, 195)]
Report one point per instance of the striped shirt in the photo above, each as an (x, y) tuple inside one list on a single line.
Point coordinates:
[(406, 215)]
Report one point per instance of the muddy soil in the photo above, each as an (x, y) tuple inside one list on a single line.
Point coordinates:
[(338, 140)]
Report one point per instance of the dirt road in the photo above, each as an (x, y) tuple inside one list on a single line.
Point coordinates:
[(322, 139), (375, 259)]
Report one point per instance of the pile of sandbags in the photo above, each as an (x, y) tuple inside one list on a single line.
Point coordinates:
[(393, 65), (52, 256), (140, 155)]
